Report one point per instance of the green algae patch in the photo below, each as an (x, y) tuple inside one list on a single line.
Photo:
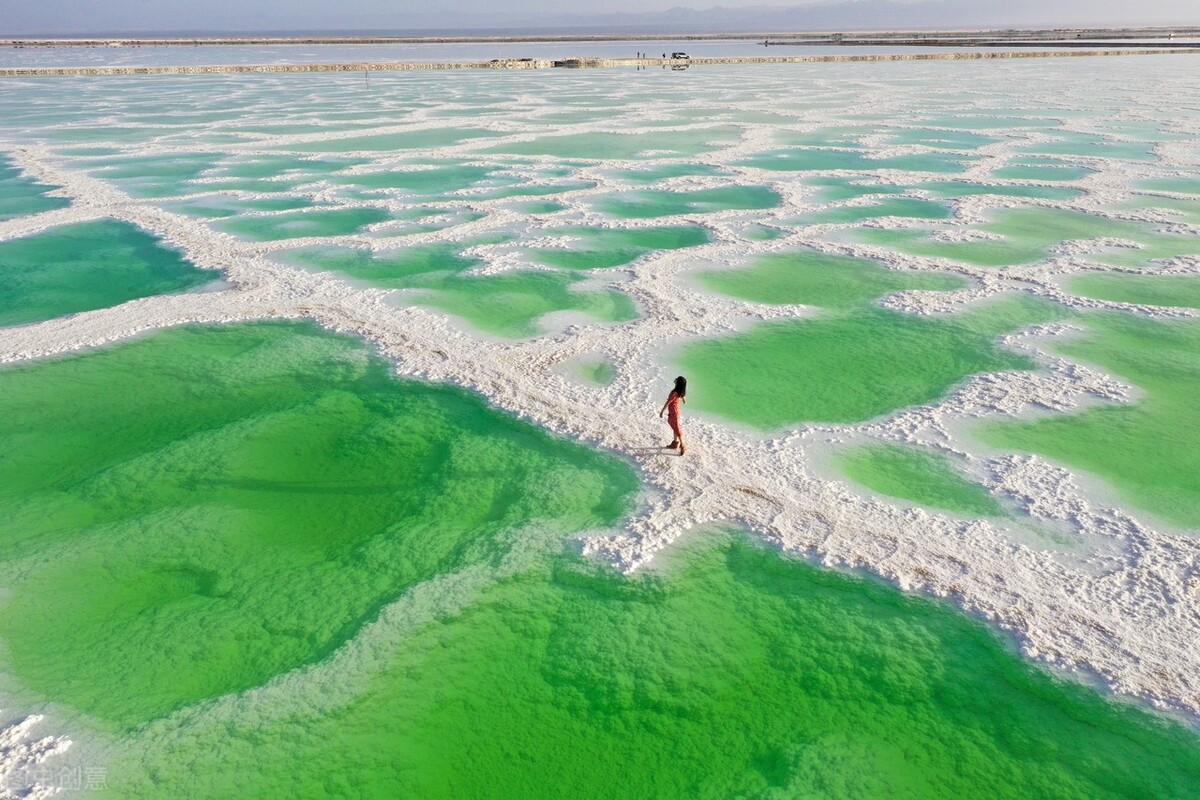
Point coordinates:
[(508, 304), (821, 279), (614, 247), (852, 365), (254, 502), (1150, 450), (921, 476), (1181, 291), (303, 224), (86, 266), (1029, 235), (22, 196), (661, 203), (734, 673)]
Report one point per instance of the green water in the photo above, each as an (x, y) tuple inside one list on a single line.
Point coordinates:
[(1152, 290), (21, 195), (654, 174), (535, 190), (1041, 172), (851, 365), (1183, 209), (321, 222), (388, 142), (1029, 235), (601, 146), (954, 189), (832, 189), (86, 266), (155, 176), (1150, 450), (733, 673), (511, 304), (1070, 143), (598, 372), (854, 361), (819, 159), (950, 139), (811, 159), (922, 476), (992, 121), (274, 166), (257, 499), (222, 206), (613, 247), (508, 304), (762, 233), (840, 136), (1181, 185), (436, 180), (891, 207), (547, 207), (176, 167), (821, 279), (662, 203)]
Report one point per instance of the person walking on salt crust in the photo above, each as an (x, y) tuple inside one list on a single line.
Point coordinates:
[(678, 395)]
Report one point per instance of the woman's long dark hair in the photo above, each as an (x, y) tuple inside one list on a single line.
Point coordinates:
[(681, 386)]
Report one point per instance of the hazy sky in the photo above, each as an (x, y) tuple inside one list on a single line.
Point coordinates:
[(103, 16)]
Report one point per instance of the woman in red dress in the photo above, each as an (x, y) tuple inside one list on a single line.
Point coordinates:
[(671, 407)]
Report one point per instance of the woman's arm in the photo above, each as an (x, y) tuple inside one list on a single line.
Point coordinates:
[(662, 410)]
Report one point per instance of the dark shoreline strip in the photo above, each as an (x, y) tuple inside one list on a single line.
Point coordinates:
[(505, 64)]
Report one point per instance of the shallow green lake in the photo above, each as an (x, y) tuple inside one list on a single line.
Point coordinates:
[(732, 673), (1149, 450), (257, 499), (922, 476), (20, 195), (86, 266)]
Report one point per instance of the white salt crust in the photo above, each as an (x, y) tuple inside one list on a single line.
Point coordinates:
[(1121, 604), (23, 753)]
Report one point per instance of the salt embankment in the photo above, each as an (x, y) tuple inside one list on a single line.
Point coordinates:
[(574, 62)]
